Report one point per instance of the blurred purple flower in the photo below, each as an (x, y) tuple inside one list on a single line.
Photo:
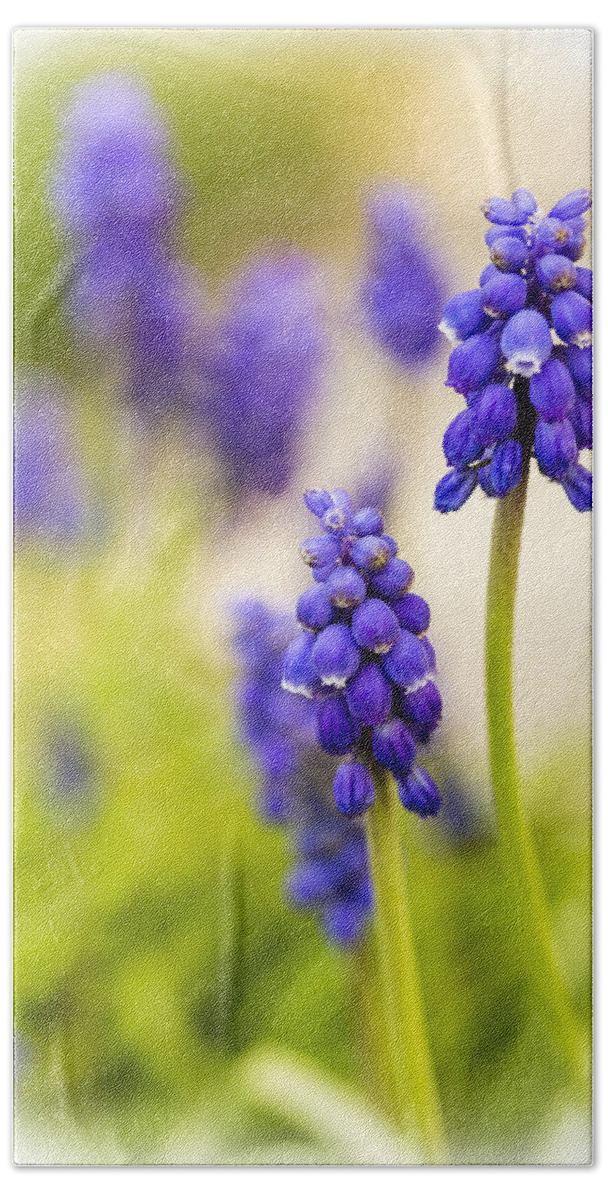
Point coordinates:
[(118, 198), (114, 178), (49, 496), (263, 370), (403, 291)]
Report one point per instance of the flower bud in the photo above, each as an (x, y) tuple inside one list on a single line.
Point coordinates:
[(461, 441), (526, 342), (406, 664), (555, 447), (394, 746), (556, 273), (335, 655), (353, 789), (423, 707), (572, 205), (504, 212), (552, 391), (335, 520), (508, 254), (419, 793), (499, 231), (392, 580), (313, 609), (584, 282), (320, 551), (375, 626), (505, 471), (368, 521), (369, 695), (299, 672), (504, 294), (571, 314), (345, 587), (560, 237), (454, 489), (578, 486), (317, 501), (524, 202), (471, 364), (463, 315), (370, 553), (412, 613), (337, 729), (580, 365), (495, 413)]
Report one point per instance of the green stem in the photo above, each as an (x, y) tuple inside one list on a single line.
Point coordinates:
[(527, 894), (412, 1068)]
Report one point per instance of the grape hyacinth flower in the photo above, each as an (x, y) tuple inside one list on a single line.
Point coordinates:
[(523, 364), (522, 359), (262, 371), (364, 666), (118, 198), (330, 874), (49, 499), (403, 291), (364, 657)]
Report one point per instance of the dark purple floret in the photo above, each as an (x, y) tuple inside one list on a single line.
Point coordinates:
[(526, 373)]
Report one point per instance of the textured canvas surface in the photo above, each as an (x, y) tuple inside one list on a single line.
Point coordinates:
[(302, 635)]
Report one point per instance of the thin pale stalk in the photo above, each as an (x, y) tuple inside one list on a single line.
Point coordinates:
[(527, 894), (399, 986)]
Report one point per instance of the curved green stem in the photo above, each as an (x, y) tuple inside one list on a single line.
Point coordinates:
[(412, 1069), (527, 893)]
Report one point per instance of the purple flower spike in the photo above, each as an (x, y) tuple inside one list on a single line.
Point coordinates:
[(524, 388), (368, 664)]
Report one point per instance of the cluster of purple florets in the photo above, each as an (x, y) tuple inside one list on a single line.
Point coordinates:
[(523, 359), (364, 657), (331, 873)]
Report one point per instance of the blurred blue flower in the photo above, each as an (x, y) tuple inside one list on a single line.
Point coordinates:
[(364, 658), (330, 873), (262, 371), (524, 359), (114, 179), (49, 496), (403, 290), (117, 198)]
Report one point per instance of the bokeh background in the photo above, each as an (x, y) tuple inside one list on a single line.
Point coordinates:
[(170, 1005)]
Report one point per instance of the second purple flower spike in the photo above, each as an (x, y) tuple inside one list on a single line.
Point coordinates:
[(522, 358)]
